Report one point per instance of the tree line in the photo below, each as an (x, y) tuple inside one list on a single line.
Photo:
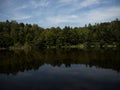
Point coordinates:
[(20, 35)]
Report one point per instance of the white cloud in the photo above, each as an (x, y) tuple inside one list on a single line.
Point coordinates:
[(102, 14), (87, 3), (74, 5), (60, 12), (33, 4), (67, 1), (62, 19), (21, 7), (92, 16), (80, 3), (20, 16), (42, 3)]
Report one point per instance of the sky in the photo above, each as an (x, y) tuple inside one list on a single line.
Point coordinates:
[(53, 13)]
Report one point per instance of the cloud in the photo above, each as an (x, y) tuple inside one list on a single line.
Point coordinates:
[(79, 4), (101, 14), (21, 7), (67, 1), (87, 3), (60, 12), (62, 19), (33, 4), (91, 16), (75, 6), (41, 3), (20, 16)]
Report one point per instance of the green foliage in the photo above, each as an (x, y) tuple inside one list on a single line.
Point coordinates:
[(5, 41), (27, 46), (22, 35)]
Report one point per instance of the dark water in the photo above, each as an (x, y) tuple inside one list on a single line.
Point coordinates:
[(60, 70)]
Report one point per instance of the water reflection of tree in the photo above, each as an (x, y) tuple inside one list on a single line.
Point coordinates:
[(13, 62)]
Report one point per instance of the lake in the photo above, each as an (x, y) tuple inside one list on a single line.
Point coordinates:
[(60, 69)]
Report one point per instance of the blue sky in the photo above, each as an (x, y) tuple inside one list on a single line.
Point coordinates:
[(49, 13)]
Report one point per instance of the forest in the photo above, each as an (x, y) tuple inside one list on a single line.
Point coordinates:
[(14, 35)]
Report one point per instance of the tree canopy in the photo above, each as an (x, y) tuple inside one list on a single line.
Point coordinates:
[(14, 34)]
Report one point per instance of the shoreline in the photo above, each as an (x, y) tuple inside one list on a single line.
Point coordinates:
[(65, 47)]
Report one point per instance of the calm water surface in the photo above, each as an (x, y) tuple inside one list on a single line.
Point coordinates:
[(60, 70)]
